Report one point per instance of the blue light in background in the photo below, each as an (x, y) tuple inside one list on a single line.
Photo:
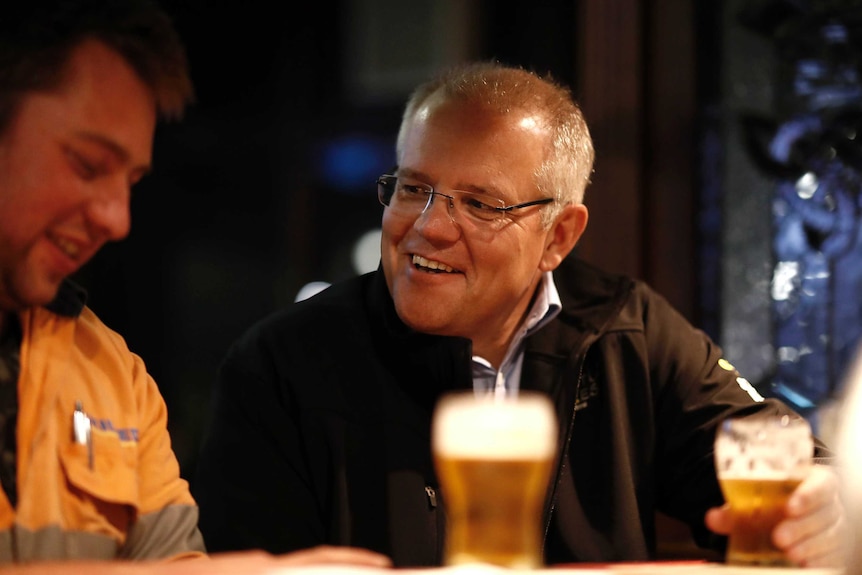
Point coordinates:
[(350, 164)]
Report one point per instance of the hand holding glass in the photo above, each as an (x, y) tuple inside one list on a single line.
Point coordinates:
[(760, 461), (493, 458)]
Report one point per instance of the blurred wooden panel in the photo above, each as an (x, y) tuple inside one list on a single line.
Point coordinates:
[(636, 78), (610, 76), (670, 197)]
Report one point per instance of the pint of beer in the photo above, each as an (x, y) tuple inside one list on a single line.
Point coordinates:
[(760, 461), (493, 458)]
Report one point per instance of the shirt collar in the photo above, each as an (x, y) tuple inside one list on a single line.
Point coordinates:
[(545, 307)]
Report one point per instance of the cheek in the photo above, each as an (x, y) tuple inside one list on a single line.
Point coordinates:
[(508, 258), (36, 180), (389, 239), (508, 248), (393, 230)]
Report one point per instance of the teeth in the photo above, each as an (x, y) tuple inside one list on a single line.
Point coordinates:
[(70, 248), (422, 262)]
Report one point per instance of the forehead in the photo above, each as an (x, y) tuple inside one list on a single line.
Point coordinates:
[(482, 120), (99, 93), (475, 141), (468, 112)]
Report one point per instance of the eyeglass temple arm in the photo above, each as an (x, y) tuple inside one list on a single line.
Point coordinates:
[(526, 205)]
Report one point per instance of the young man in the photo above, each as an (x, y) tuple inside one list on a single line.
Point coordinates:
[(325, 407), (86, 465)]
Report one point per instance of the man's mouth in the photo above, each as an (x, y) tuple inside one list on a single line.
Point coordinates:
[(70, 248), (430, 265)]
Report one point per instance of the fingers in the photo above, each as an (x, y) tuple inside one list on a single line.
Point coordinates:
[(814, 539), (718, 520), (819, 488), (813, 534), (809, 547)]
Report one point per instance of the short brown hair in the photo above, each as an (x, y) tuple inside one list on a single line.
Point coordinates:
[(38, 36)]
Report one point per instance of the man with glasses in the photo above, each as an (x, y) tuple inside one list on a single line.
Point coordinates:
[(321, 423)]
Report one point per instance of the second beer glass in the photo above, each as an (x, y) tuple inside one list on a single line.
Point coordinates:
[(760, 461), (493, 458)]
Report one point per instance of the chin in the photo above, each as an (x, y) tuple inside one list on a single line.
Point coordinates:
[(40, 295), (422, 321), (413, 320)]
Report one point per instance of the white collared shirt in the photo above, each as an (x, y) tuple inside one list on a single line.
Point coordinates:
[(507, 379)]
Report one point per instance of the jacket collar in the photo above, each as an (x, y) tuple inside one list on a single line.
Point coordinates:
[(591, 297), (69, 301), (432, 363)]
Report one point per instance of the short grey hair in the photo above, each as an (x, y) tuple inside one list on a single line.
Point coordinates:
[(568, 163)]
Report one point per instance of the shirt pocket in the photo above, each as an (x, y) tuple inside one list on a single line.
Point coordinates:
[(102, 495)]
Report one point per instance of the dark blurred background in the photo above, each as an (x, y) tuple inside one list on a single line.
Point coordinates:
[(268, 182)]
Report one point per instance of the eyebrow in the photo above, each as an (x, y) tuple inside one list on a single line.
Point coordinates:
[(494, 192), (114, 148)]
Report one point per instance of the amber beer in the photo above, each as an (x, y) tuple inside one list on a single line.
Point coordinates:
[(760, 462), (493, 459), (758, 506)]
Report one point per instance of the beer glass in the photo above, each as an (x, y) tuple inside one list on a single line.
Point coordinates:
[(760, 460), (493, 458)]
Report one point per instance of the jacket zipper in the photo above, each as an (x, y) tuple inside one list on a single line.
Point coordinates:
[(432, 496), (569, 432)]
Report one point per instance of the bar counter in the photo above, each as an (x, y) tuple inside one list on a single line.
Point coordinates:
[(639, 568)]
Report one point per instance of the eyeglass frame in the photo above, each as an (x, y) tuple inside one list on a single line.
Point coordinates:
[(390, 179)]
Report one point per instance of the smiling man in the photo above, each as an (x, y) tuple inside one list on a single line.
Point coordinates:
[(322, 413), (86, 466), (68, 160), (458, 270)]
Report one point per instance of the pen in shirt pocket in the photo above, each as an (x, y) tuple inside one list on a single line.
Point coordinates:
[(81, 431)]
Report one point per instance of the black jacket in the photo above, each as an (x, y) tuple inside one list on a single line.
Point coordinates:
[(320, 428)]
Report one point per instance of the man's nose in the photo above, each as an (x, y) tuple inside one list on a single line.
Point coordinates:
[(109, 211), (445, 204), (438, 221)]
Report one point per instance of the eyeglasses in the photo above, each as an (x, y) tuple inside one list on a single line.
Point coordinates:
[(409, 198)]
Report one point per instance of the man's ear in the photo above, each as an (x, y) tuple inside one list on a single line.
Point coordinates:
[(563, 235)]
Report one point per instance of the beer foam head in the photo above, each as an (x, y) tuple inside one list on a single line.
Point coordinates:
[(762, 447), (523, 427)]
